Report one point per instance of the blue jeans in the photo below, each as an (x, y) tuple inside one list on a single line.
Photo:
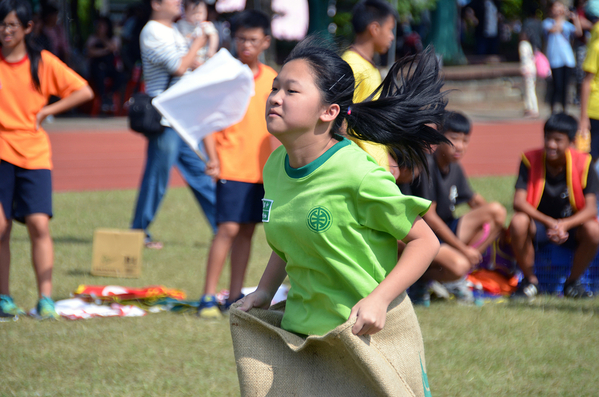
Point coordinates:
[(164, 151)]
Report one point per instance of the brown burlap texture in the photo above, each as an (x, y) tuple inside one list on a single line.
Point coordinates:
[(274, 362)]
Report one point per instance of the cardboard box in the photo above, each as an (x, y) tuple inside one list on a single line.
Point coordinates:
[(117, 253)]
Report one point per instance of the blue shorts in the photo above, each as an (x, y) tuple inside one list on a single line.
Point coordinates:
[(542, 240), (238, 202), (24, 192), (453, 226)]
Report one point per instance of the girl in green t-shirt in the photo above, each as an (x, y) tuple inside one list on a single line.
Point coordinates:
[(311, 102)]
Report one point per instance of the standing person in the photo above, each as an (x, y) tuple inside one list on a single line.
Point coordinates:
[(486, 32), (589, 90), (242, 150), (28, 78), (102, 49), (373, 22), (332, 215), (165, 58), (528, 70), (559, 32)]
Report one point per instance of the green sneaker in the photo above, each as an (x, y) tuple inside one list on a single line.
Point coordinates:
[(8, 309), (45, 309)]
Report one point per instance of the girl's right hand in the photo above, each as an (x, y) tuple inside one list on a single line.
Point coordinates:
[(259, 299)]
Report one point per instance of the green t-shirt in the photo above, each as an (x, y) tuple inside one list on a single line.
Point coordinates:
[(335, 222)]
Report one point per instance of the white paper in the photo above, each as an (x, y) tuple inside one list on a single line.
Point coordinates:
[(211, 98)]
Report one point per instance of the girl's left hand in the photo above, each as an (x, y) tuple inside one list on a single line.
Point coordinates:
[(40, 117), (370, 315)]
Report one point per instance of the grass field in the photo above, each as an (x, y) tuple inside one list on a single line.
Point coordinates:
[(549, 347)]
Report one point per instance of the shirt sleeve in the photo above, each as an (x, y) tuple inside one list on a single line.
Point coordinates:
[(522, 181), (464, 188), (381, 206), (62, 80), (592, 185), (548, 24), (590, 61), (162, 50)]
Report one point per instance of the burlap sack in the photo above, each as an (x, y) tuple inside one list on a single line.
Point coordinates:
[(274, 362)]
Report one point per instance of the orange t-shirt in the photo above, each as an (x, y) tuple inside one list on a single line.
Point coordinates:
[(20, 101), (244, 147)]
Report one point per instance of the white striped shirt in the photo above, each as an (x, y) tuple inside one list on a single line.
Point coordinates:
[(162, 48)]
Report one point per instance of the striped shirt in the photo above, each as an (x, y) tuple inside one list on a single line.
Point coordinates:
[(162, 48)]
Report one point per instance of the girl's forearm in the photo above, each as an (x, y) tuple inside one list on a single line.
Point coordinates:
[(421, 248), (76, 98), (273, 276)]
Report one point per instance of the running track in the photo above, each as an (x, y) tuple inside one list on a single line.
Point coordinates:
[(113, 159)]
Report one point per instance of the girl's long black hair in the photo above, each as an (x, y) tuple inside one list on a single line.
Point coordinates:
[(404, 116), (24, 15)]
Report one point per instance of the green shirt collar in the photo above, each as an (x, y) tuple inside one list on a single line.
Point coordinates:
[(311, 167)]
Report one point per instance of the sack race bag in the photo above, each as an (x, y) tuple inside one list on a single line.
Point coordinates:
[(542, 64), (274, 362), (143, 116)]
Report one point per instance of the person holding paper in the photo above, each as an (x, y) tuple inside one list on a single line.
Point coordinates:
[(166, 57), (242, 150)]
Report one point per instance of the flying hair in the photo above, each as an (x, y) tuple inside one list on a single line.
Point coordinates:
[(409, 109)]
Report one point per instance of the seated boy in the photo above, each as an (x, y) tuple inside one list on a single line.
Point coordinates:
[(555, 202), (463, 239)]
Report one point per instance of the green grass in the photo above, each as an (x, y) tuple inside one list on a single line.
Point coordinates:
[(545, 348)]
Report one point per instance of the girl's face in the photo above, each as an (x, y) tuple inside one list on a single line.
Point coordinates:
[(295, 102), (12, 32)]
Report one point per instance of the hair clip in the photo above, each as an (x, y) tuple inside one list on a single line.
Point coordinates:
[(331, 87), (348, 110)]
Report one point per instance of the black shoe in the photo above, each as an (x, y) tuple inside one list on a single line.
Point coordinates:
[(575, 289), (526, 289)]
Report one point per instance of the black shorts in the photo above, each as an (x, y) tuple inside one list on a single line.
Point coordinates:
[(24, 192), (542, 240), (238, 202)]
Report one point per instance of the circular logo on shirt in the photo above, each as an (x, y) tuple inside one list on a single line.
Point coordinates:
[(319, 219)]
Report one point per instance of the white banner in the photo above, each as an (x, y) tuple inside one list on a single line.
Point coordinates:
[(211, 98)]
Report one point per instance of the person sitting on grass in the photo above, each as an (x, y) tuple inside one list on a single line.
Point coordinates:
[(448, 187), (555, 202)]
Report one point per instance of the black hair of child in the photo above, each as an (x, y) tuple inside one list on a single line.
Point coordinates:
[(194, 3), (368, 11), (456, 122), (409, 104), (24, 15), (563, 123), (251, 19)]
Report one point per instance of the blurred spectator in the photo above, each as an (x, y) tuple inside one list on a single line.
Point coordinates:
[(559, 52), (133, 22), (37, 34), (580, 44), (486, 31), (528, 70), (102, 50), (59, 43)]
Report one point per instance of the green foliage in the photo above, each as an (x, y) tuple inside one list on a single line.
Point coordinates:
[(511, 9)]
